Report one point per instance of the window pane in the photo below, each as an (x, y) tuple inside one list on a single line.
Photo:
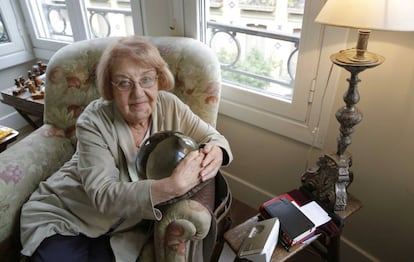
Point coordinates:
[(110, 17), (103, 18), (51, 20), (257, 43), (4, 37)]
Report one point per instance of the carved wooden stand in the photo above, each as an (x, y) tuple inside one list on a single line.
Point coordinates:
[(328, 182)]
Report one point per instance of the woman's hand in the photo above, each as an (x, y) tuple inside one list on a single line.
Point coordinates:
[(197, 166), (184, 177), (213, 159), (186, 174)]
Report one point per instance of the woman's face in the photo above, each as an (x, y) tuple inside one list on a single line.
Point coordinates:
[(135, 90)]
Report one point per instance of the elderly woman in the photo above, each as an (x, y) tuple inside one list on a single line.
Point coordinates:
[(96, 204)]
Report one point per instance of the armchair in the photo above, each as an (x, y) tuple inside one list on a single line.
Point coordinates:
[(70, 87)]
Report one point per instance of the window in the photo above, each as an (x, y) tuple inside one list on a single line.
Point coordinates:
[(58, 22), (14, 48), (276, 75), (257, 43), (270, 54)]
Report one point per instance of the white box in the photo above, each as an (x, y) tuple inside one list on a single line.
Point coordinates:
[(259, 245)]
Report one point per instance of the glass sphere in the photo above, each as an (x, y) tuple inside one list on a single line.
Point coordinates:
[(160, 154)]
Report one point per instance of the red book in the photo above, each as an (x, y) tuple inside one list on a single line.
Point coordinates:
[(295, 226)]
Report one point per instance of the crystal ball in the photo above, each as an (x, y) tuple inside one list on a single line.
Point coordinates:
[(161, 152)]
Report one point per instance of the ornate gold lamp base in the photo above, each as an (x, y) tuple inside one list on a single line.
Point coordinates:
[(328, 182)]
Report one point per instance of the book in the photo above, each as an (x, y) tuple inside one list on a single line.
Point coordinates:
[(295, 226), (315, 213)]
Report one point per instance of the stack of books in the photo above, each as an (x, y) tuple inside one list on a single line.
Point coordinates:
[(297, 223)]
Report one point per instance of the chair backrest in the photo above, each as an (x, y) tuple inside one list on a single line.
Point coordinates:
[(70, 82)]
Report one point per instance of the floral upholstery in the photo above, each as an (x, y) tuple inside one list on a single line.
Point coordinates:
[(70, 86)]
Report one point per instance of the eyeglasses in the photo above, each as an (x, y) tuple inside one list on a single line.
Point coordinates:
[(145, 82)]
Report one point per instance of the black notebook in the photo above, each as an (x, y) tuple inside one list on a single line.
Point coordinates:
[(294, 225)]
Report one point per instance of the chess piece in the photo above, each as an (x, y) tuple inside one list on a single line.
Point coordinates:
[(31, 86), (22, 81), (17, 83), (38, 82), (42, 67)]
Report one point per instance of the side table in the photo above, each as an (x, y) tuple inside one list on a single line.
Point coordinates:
[(24, 104), (235, 236)]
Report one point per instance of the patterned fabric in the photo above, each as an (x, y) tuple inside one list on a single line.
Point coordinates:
[(70, 86), (183, 220)]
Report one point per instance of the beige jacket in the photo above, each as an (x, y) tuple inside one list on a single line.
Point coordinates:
[(99, 186)]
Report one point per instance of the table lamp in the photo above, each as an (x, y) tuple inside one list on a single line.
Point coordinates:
[(328, 182)]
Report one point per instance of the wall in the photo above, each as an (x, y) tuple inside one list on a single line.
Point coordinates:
[(266, 164)]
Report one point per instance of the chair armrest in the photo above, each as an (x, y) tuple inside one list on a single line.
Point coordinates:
[(183, 221), (22, 167)]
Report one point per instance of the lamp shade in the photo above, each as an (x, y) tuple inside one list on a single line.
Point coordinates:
[(392, 15)]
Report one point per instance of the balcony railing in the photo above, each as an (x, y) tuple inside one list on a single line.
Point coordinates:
[(101, 14), (100, 25), (235, 32), (56, 18)]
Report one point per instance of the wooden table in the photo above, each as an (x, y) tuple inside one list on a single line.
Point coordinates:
[(235, 236), (24, 104)]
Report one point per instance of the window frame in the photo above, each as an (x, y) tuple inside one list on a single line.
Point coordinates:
[(18, 50), (45, 48), (306, 119)]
